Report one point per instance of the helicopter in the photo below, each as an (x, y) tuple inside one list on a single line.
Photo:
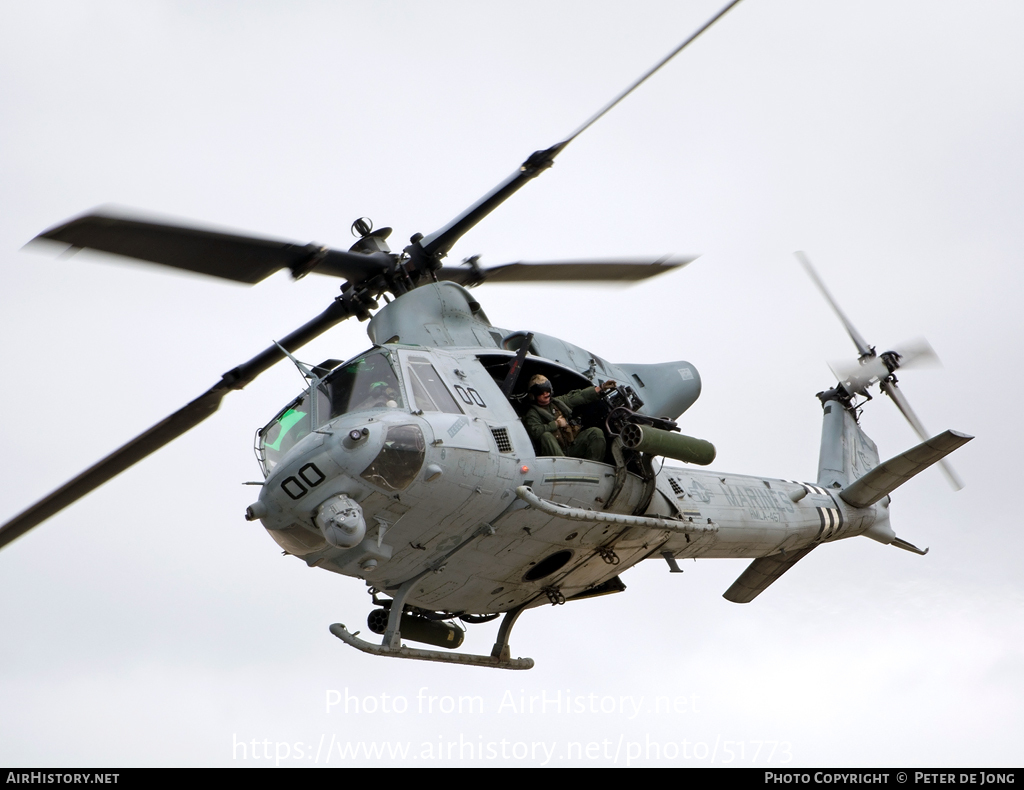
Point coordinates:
[(448, 424)]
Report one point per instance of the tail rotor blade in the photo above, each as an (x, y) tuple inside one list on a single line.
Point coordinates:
[(857, 377), (917, 354), (889, 388), (862, 347), (894, 392)]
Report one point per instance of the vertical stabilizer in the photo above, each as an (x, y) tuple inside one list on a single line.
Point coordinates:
[(847, 453)]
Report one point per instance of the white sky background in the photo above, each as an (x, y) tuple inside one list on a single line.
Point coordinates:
[(149, 624)]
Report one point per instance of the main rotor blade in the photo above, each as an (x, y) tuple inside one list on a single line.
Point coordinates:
[(651, 72), (889, 388), (441, 241), (563, 271), (168, 429), (244, 259), (862, 347)]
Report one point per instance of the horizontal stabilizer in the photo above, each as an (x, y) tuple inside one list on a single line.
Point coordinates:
[(760, 573), (887, 477)]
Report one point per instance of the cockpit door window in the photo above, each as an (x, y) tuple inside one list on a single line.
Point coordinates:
[(429, 391)]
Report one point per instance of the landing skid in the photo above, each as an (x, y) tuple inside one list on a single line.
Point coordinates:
[(497, 662), (392, 645)]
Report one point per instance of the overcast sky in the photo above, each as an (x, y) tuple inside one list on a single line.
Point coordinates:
[(149, 624)]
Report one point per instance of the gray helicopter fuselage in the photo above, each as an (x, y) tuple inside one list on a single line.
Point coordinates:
[(418, 432)]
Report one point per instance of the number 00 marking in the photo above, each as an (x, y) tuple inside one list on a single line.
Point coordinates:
[(470, 396), (310, 475), (312, 470)]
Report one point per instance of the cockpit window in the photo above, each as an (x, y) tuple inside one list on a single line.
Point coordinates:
[(283, 432), (399, 460), (427, 389), (283, 427), (367, 383)]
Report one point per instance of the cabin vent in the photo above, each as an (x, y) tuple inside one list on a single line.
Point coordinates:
[(501, 439)]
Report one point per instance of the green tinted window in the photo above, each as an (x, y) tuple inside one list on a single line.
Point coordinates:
[(284, 432)]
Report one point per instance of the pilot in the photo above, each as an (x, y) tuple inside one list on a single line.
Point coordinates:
[(548, 424), (381, 394)]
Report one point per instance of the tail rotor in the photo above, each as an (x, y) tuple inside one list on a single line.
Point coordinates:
[(870, 368)]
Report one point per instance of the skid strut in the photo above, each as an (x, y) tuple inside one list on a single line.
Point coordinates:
[(391, 645)]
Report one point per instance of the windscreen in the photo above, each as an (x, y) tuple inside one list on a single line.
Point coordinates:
[(368, 382), (284, 431)]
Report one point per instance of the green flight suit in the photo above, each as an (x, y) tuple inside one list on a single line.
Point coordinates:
[(549, 439)]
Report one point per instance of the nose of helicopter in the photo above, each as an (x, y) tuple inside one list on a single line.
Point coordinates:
[(348, 457)]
